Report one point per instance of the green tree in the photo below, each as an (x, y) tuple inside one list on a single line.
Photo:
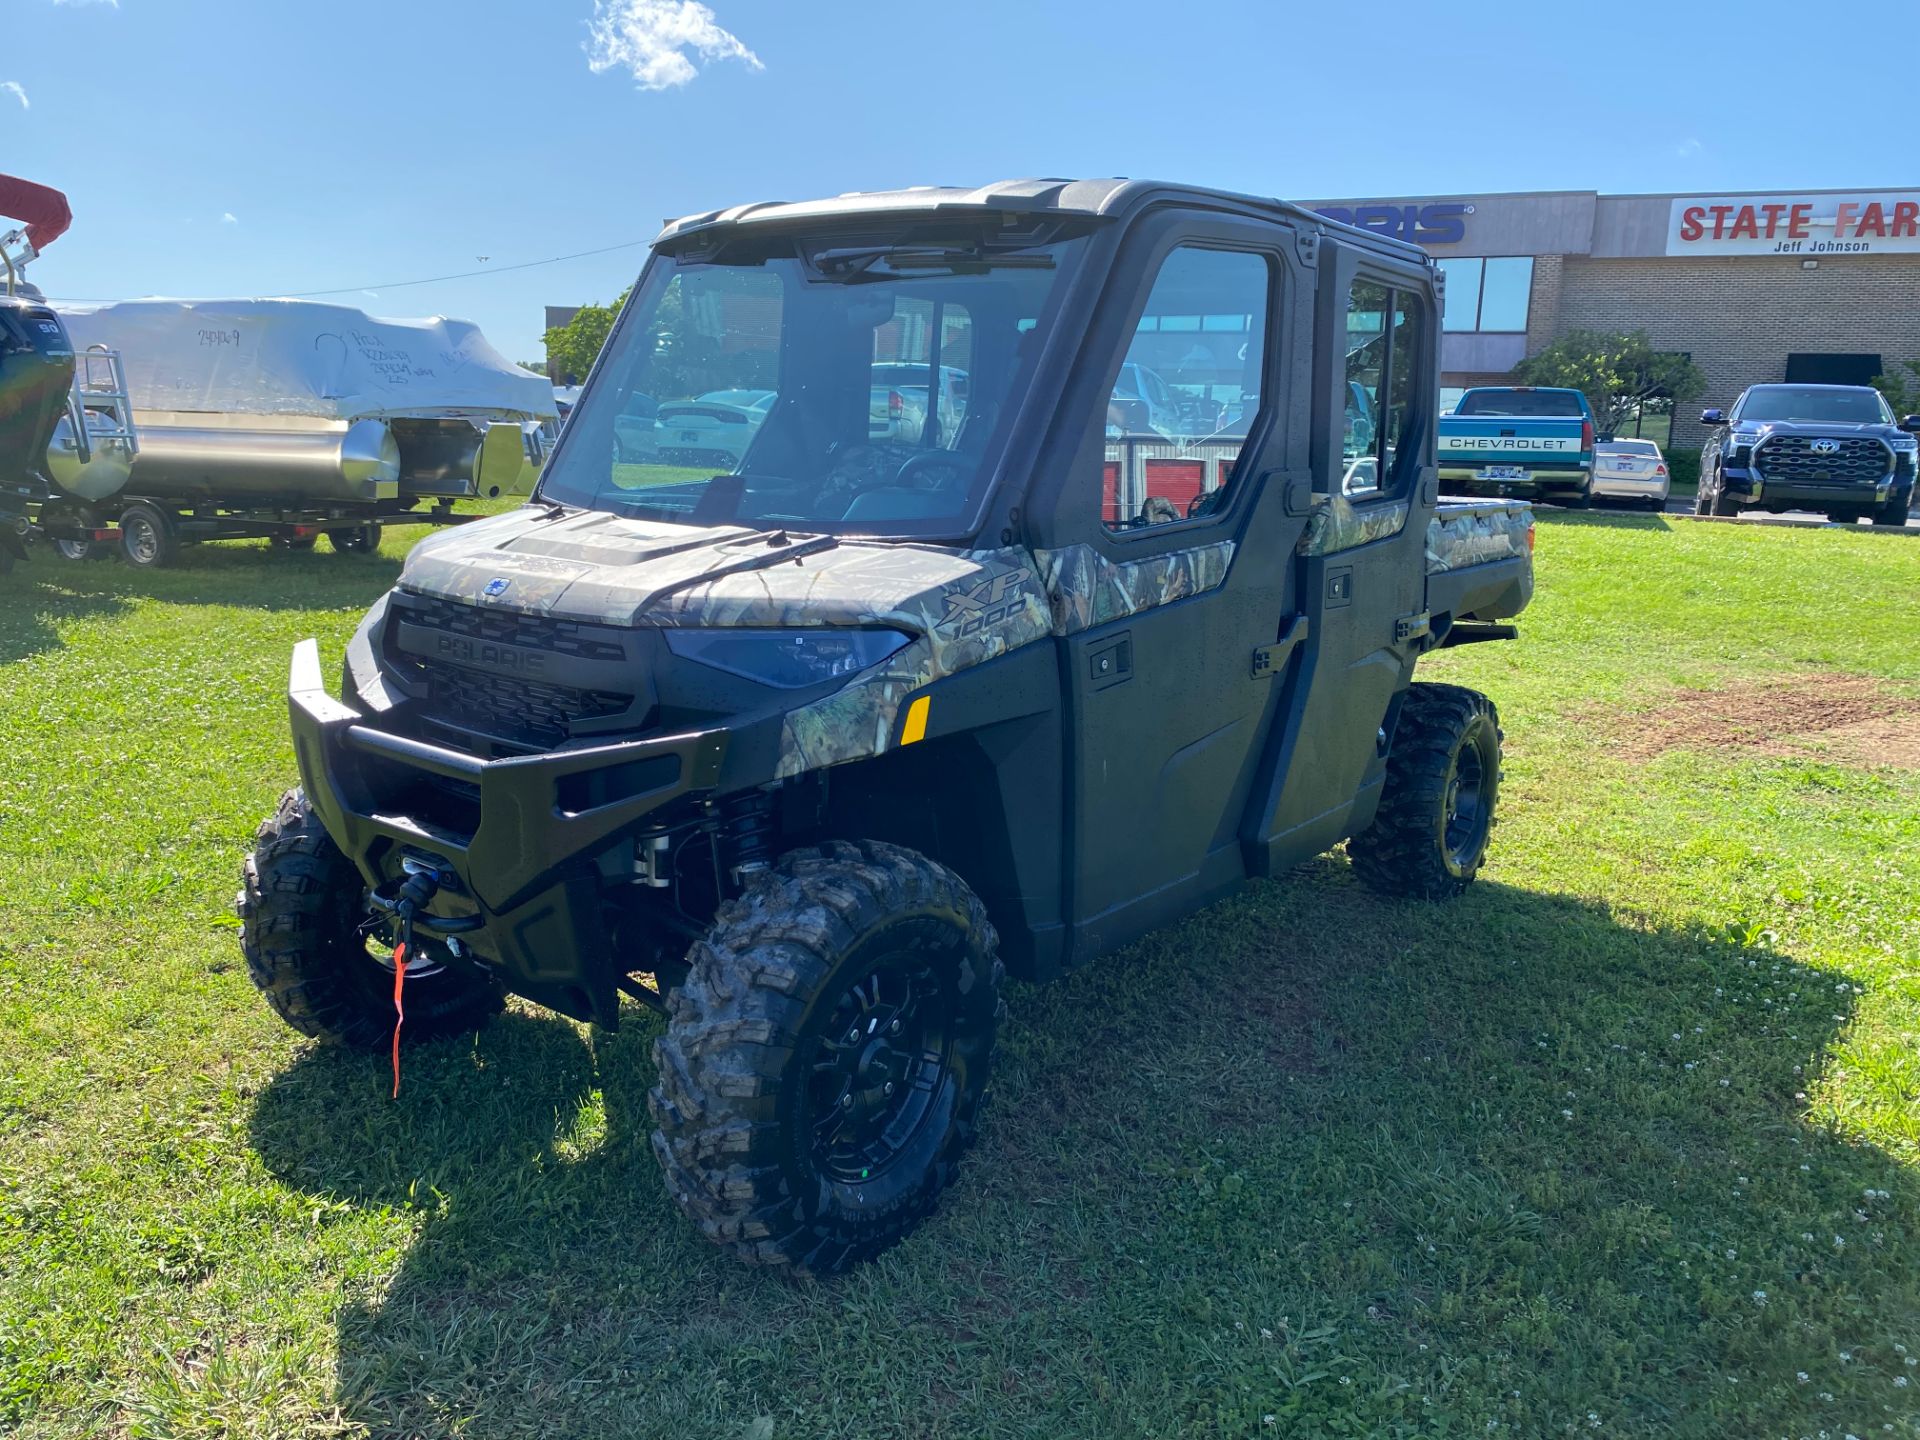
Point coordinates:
[(1619, 374), (1901, 388), (573, 347)]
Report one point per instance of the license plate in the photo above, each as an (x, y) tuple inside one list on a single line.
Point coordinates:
[(689, 434), (1503, 472)]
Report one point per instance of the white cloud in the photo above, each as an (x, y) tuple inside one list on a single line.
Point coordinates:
[(18, 91), (227, 217), (1688, 147), (651, 39)]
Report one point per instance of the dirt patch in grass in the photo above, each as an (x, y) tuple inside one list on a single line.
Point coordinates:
[(1852, 717)]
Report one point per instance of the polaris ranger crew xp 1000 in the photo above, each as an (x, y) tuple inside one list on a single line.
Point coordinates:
[(802, 753)]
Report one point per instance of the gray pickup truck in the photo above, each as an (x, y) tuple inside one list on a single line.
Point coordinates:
[(806, 754)]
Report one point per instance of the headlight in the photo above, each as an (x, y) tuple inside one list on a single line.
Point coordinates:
[(789, 659), (1904, 442)]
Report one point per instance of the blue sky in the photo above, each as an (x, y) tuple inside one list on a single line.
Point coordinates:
[(251, 147)]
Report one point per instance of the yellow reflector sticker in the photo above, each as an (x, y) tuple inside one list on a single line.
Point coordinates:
[(916, 726)]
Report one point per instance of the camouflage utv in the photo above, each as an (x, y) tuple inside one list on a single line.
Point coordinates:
[(803, 750)]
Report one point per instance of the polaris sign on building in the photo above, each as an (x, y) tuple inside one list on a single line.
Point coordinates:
[(1812, 285)]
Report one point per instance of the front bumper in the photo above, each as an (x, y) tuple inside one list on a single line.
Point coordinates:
[(1747, 484), (522, 876)]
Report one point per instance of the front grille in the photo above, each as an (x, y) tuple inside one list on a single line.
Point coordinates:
[(506, 627), (467, 686), (511, 708), (1791, 460)]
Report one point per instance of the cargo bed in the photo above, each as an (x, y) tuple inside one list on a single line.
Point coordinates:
[(1479, 559)]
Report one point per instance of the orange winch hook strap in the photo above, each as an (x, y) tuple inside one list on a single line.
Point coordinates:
[(399, 1008)]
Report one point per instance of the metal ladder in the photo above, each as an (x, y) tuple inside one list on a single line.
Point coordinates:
[(98, 408)]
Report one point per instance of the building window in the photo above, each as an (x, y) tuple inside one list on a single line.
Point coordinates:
[(1488, 295)]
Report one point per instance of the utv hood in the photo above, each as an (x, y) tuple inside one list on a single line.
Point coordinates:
[(611, 570), (961, 607)]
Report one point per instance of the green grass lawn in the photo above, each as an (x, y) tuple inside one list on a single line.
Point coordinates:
[(1626, 1142)]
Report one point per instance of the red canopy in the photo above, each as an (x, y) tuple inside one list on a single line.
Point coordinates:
[(45, 210)]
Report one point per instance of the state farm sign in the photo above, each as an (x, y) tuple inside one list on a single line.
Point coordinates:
[(1883, 222)]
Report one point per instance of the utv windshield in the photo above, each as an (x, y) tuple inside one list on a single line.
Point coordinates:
[(1810, 402), (852, 384)]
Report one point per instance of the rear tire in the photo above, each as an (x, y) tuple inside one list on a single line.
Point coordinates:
[(300, 905), (355, 539), (1430, 835), (147, 538), (1581, 501), (825, 1060)]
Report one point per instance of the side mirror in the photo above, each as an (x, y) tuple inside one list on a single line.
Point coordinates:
[(1911, 424), (1713, 417)]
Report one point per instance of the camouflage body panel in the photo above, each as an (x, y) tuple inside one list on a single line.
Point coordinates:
[(1337, 524), (1086, 589), (963, 608), (994, 606), (1475, 534)]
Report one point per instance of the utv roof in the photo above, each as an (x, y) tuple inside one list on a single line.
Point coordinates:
[(1039, 198)]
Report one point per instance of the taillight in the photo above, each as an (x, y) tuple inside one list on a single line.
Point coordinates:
[(1586, 434), (1659, 469), (896, 404), (1529, 539)]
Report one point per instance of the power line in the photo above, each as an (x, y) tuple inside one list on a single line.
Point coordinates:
[(405, 284), (464, 274)]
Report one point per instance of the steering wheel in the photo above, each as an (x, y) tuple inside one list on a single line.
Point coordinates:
[(925, 460)]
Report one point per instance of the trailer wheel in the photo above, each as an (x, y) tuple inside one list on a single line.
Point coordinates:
[(82, 550), (147, 538), (300, 906), (355, 539), (825, 1060), (1437, 809), (293, 542)]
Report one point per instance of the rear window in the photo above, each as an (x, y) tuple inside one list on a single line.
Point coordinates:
[(1520, 402), (1630, 447)]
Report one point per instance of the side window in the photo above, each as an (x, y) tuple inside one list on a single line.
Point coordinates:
[(1186, 393), (1383, 409)]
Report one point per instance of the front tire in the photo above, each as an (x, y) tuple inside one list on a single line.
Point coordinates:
[(1892, 515), (1436, 813), (300, 906), (825, 1061)]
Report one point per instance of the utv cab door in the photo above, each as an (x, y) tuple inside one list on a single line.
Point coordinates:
[(1172, 564), (1362, 565)]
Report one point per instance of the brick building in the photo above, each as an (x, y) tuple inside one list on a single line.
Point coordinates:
[(1819, 286)]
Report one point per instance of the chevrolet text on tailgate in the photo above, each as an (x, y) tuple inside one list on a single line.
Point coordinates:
[(1519, 440), (803, 744)]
